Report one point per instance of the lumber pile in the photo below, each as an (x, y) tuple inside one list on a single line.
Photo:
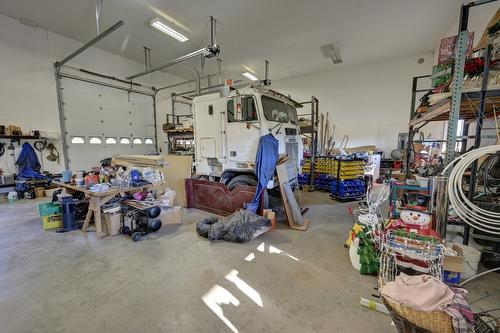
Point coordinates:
[(152, 161)]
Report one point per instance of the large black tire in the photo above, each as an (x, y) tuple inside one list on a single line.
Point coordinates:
[(203, 226), (249, 180)]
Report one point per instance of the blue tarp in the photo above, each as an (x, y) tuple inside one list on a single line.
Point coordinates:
[(29, 166), (265, 164)]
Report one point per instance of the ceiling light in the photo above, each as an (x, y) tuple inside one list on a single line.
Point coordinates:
[(249, 76), (156, 23)]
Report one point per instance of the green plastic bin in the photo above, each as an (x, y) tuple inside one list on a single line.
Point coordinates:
[(49, 208)]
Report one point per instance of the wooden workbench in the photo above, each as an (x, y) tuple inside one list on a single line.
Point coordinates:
[(97, 199)]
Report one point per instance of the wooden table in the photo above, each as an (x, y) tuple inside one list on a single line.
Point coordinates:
[(97, 199)]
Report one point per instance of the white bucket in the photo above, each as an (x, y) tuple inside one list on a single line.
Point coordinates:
[(471, 258)]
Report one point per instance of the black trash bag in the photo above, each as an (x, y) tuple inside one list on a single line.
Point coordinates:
[(239, 227)]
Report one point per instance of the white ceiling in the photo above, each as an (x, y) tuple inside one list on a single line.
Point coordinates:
[(287, 32)]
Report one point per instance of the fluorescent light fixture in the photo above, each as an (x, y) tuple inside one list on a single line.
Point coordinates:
[(157, 24), (250, 76)]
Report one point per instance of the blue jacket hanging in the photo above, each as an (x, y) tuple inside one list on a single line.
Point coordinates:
[(265, 164), (29, 166)]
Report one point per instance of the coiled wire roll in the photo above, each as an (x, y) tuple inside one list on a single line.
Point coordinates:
[(471, 214)]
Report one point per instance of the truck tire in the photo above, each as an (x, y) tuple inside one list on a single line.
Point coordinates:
[(249, 180), (203, 226)]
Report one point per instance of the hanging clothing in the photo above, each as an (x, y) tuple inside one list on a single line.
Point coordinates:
[(265, 164), (28, 164)]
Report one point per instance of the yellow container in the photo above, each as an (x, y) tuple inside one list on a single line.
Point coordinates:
[(52, 221)]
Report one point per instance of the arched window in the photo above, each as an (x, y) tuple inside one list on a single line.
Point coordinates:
[(111, 141), (95, 140), (124, 141), (78, 140), (137, 141)]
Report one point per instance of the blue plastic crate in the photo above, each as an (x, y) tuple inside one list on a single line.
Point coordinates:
[(451, 277)]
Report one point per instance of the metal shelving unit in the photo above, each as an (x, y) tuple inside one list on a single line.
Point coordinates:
[(470, 106), (311, 132)]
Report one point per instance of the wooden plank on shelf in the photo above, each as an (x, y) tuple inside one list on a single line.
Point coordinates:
[(153, 161), (436, 110), (469, 108)]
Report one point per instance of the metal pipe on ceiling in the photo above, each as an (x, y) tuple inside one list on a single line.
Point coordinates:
[(182, 83), (204, 51), (197, 82), (90, 43), (208, 88), (207, 52), (104, 84), (147, 57), (98, 9)]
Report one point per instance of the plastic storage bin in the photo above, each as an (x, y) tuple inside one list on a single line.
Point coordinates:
[(49, 208), (52, 221)]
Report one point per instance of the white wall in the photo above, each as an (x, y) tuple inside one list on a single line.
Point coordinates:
[(27, 84), (369, 103)]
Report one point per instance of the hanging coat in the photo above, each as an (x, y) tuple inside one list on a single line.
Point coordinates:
[(28, 164), (265, 164)]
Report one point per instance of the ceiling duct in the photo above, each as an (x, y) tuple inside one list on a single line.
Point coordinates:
[(331, 51)]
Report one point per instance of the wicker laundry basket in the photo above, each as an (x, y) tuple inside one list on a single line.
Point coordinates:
[(409, 320)]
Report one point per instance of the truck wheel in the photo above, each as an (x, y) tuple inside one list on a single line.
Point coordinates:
[(250, 181), (241, 180)]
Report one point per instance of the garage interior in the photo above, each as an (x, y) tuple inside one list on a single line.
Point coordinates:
[(249, 166)]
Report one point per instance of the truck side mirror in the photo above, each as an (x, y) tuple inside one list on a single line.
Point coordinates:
[(238, 108)]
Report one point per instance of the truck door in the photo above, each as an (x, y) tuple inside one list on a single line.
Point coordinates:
[(242, 130)]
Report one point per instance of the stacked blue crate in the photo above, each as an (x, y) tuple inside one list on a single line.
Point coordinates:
[(352, 188), (303, 178), (323, 181)]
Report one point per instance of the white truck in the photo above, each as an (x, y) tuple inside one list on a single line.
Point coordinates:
[(228, 126)]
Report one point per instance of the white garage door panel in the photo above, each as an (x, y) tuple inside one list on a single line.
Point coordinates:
[(93, 110)]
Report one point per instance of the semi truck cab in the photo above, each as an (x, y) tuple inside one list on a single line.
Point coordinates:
[(227, 129)]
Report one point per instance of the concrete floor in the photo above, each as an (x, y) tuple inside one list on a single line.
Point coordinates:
[(173, 281)]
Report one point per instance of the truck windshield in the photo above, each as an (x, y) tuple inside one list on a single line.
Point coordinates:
[(275, 110), (292, 114)]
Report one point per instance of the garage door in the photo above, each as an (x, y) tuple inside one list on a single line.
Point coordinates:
[(102, 121)]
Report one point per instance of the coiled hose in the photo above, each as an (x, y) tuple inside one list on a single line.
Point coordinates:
[(471, 214)]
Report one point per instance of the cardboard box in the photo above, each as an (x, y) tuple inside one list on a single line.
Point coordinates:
[(453, 266), (112, 223), (171, 216), (454, 263)]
